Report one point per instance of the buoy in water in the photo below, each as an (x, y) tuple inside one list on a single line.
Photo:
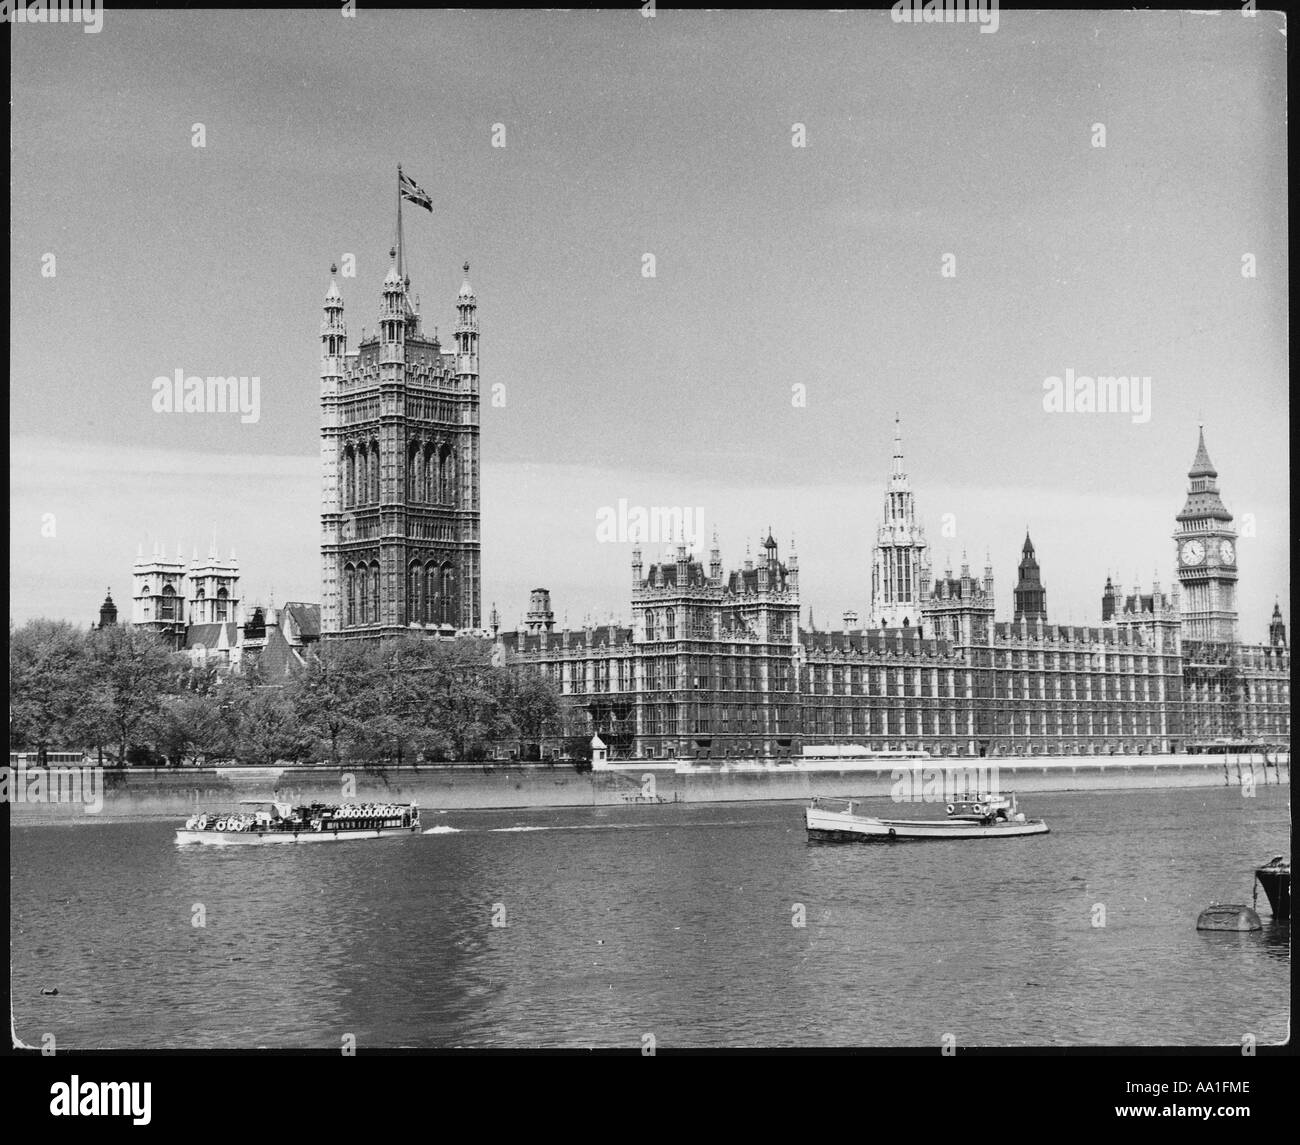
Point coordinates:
[(1228, 916)]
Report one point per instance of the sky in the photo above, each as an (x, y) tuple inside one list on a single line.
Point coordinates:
[(799, 298)]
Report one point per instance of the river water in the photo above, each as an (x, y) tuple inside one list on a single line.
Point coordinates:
[(603, 926)]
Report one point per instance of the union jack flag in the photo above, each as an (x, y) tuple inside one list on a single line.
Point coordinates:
[(412, 193)]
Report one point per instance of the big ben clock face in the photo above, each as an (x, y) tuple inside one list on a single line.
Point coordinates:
[(1227, 552), (1192, 552)]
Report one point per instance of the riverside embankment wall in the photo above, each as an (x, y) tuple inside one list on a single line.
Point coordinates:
[(149, 793)]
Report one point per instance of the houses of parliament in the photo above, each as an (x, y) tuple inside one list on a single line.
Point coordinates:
[(715, 663)]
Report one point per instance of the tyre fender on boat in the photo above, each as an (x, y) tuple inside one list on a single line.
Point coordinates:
[(893, 834), (221, 825), (950, 809)]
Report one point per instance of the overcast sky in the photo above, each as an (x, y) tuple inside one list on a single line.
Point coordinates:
[(775, 266)]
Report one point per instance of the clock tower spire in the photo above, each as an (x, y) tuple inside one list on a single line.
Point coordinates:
[(1206, 551)]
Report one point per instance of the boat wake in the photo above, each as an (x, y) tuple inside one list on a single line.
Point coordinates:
[(568, 827)]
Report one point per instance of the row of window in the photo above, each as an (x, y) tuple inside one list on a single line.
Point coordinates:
[(430, 594), (430, 474), (169, 604)]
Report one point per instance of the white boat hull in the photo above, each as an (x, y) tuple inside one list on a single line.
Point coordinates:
[(268, 838), (840, 826)]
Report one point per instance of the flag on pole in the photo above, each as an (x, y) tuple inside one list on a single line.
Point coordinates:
[(412, 193)]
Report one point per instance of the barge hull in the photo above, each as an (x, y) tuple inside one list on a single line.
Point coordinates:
[(831, 827), (268, 838)]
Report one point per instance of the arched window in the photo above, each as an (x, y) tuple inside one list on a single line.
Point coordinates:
[(167, 610), (374, 592), (349, 477), (199, 599), (431, 594), (349, 579), (412, 471), (447, 613), (223, 603), (451, 477), (374, 473), (670, 624), (429, 477), (363, 594), (413, 586), (650, 624)]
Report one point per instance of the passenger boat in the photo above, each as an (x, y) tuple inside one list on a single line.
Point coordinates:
[(969, 817), (270, 821), (1275, 877)]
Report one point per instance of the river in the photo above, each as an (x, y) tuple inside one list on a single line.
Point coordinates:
[(607, 926)]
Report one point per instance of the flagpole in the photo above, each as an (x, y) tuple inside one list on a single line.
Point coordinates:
[(401, 270)]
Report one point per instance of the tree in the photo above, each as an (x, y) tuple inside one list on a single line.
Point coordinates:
[(47, 679), (330, 695), (192, 726), (128, 672), (534, 704), (268, 727)]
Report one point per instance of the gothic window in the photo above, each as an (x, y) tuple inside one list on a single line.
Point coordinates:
[(444, 463), (427, 478), (374, 473), (374, 592), (670, 624), (413, 586), (447, 613), (431, 597), (350, 577), (199, 599), (451, 477), (650, 624), (349, 477), (412, 471), (167, 610), (363, 594), (223, 603)]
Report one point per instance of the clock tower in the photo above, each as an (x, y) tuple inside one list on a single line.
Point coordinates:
[(1206, 553)]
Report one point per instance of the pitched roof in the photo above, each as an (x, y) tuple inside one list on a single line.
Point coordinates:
[(1202, 466), (306, 618), (209, 635)]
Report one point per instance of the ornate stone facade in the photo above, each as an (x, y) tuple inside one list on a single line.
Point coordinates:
[(400, 468)]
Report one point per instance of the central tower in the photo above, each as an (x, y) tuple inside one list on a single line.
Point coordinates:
[(899, 561), (400, 469)]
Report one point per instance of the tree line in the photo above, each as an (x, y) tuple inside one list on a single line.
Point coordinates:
[(122, 695)]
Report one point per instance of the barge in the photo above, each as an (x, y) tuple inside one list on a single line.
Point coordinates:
[(268, 821), (968, 817)]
